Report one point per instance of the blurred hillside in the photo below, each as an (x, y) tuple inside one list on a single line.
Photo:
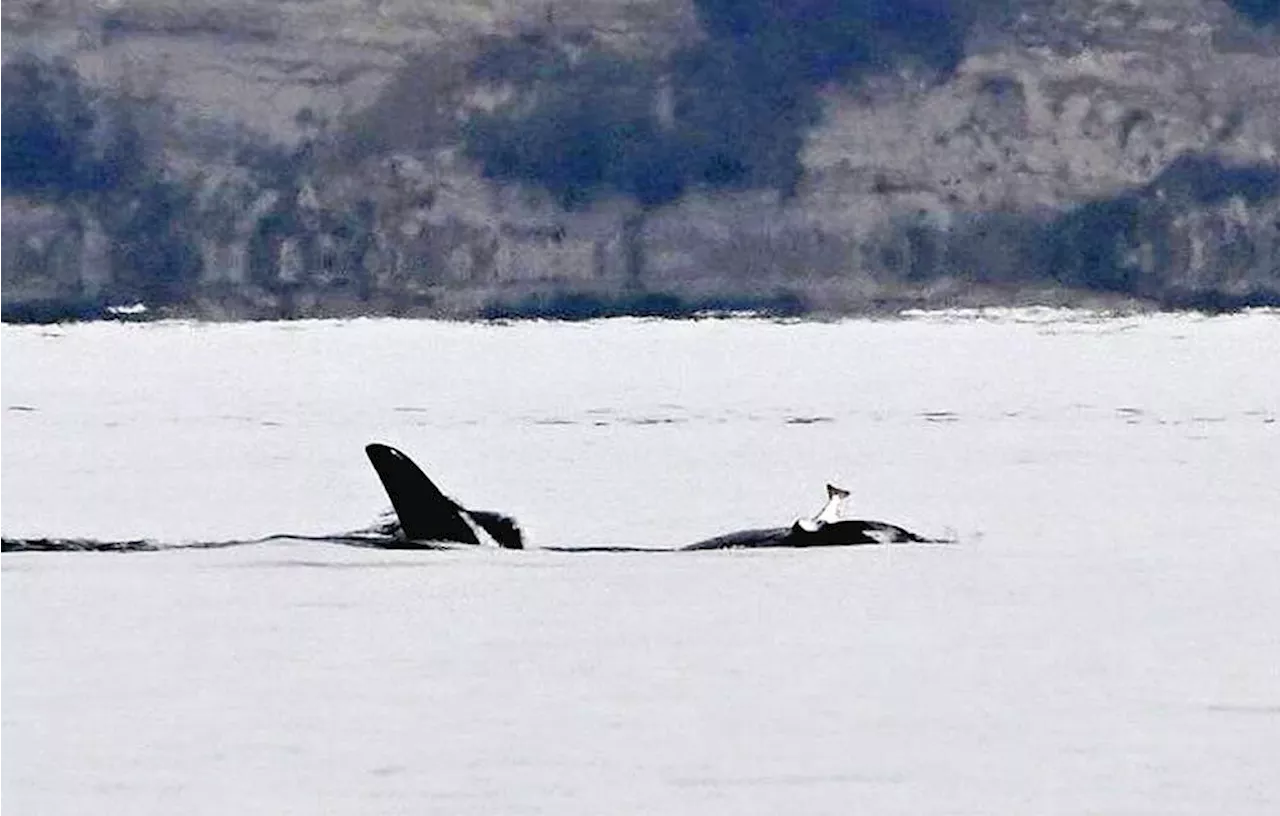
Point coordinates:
[(244, 158)]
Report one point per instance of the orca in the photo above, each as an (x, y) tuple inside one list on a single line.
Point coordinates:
[(826, 529), (424, 516), (847, 533)]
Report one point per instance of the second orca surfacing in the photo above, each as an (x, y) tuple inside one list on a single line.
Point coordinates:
[(826, 529), (426, 518)]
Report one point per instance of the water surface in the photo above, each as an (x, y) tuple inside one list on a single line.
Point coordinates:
[(1102, 640)]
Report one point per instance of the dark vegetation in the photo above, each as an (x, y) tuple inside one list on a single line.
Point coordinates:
[(815, 41), (577, 127), (584, 121), (590, 306), (1260, 12), (86, 150), (1137, 243), (61, 309), (53, 141)]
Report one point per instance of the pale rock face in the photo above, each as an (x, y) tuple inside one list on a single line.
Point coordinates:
[(52, 249)]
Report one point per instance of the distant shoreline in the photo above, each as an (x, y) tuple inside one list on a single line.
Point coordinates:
[(579, 305)]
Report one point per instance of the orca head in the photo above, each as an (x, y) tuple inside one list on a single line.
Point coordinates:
[(807, 525)]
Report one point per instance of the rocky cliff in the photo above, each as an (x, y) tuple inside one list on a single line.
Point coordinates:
[(1079, 147)]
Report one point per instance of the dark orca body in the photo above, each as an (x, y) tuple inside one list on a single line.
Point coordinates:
[(425, 517), (833, 534), (424, 514)]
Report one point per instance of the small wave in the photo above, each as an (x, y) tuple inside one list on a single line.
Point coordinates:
[(65, 545), (596, 421), (1245, 708), (939, 416), (808, 420), (658, 420), (76, 545), (100, 545)]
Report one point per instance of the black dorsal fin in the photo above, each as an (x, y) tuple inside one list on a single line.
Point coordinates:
[(425, 513)]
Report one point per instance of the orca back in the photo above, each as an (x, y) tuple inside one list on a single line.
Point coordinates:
[(504, 530), (745, 539), (425, 513)]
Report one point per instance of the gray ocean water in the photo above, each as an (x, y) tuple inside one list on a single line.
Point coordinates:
[(1102, 639)]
